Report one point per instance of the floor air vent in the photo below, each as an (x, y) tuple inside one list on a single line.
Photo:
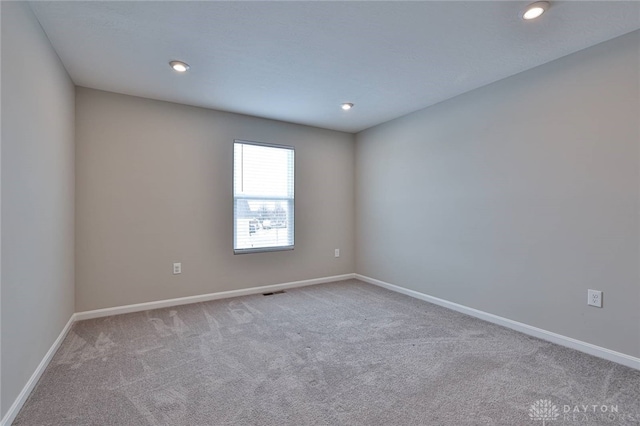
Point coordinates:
[(275, 292)]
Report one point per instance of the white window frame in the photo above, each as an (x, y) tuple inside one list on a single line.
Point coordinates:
[(291, 200)]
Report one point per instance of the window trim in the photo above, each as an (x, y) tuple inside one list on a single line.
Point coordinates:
[(293, 200)]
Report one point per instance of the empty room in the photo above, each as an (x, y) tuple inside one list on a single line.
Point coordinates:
[(320, 213)]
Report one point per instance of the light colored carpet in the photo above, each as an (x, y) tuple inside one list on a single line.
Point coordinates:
[(344, 353)]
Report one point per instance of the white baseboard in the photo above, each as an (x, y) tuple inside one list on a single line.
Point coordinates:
[(549, 336), (13, 411), (588, 348), (205, 297)]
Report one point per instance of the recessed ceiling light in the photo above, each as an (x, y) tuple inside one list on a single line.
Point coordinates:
[(346, 106), (179, 66), (534, 10)]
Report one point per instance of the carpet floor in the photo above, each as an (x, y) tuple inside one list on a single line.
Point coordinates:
[(345, 353)]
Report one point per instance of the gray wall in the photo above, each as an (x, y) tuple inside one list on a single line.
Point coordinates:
[(37, 197), (517, 197), (154, 186)]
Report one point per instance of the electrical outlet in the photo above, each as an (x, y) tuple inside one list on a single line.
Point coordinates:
[(594, 298), (337, 253), (177, 268)]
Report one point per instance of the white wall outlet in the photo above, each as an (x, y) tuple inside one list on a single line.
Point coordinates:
[(337, 253), (177, 268), (594, 298)]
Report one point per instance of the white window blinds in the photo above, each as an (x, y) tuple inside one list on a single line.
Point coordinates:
[(263, 197)]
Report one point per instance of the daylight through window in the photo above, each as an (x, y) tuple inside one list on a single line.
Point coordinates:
[(263, 196)]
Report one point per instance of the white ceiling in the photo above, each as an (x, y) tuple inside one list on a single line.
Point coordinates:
[(297, 61)]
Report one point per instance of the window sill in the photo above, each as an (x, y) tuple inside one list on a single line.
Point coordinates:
[(262, 250)]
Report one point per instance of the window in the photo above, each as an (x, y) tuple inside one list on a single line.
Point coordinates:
[(263, 197)]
